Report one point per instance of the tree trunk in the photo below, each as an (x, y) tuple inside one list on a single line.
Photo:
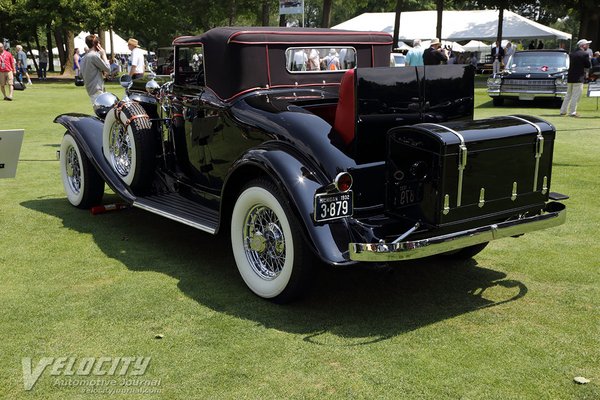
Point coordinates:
[(282, 21), (232, 13), (326, 22), (590, 18), (500, 23), (35, 64), (112, 44), (49, 47), (266, 12), (397, 24), (102, 34), (439, 6), (64, 44)]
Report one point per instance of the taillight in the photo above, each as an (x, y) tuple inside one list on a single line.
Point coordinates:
[(343, 181)]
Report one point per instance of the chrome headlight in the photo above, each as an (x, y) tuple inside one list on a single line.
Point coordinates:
[(493, 81), (152, 87), (104, 103)]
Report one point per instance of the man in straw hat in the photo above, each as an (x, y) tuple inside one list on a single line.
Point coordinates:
[(435, 54), (136, 60), (579, 62)]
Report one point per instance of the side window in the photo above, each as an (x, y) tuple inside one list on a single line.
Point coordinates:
[(189, 66), (320, 59)]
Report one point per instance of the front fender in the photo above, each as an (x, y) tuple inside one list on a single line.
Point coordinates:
[(87, 132), (298, 181)]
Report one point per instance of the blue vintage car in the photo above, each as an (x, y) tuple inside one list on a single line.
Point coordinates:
[(303, 148)]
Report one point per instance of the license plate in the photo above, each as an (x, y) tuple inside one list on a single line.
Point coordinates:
[(332, 206), (405, 195), (526, 97)]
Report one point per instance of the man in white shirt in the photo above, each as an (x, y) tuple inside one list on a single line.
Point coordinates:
[(136, 64)]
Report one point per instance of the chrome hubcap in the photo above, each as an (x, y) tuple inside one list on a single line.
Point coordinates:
[(264, 242), (120, 149), (73, 170)]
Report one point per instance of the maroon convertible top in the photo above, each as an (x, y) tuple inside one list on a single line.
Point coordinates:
[(241, 59)]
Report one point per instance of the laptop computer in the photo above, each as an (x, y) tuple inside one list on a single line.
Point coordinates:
[(10, 147)]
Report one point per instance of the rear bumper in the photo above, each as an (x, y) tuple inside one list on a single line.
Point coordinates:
[(555, 215)]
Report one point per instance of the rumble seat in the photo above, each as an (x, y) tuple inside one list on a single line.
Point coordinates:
[(345, 115)]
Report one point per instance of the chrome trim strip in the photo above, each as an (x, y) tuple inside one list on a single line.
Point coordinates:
[(174, 217), (462, 159), (382, 252)]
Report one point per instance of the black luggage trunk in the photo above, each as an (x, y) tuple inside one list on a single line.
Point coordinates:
[(495, 169)]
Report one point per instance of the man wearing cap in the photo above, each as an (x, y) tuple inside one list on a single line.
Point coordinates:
[(579, 62), (435, 55), (136, 60)]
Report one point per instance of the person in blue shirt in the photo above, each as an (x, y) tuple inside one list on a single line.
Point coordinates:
[(414, 57), (22, 64)]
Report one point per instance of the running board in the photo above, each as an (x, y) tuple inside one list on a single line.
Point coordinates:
[(180, 209)]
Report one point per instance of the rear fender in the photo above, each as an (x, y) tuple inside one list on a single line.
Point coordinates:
[(87, 132), (298, 182)]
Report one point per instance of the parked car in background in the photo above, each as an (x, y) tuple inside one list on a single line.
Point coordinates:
[(303, 166), (531, 75)]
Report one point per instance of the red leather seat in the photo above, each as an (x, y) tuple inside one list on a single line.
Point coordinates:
[(345, 114)]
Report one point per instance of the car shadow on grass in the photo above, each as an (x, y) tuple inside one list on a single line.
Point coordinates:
[(347, 306)]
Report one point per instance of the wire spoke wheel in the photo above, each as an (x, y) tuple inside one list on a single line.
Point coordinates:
[(264, 242), (119, 145), (73, 169)]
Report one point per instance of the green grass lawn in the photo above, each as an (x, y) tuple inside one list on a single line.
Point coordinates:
[(518, 322)]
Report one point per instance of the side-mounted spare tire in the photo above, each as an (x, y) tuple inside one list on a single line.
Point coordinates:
[(128, 144)]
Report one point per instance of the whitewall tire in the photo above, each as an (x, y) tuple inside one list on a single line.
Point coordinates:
[(268, 246), (82, 183)]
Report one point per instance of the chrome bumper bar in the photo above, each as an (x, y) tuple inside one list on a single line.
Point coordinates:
[(381, 252), (514, 93)]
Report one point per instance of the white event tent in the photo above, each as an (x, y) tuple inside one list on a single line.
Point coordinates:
[(456, 25), (120, 44)]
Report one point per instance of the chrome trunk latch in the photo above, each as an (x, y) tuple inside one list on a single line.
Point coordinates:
[(481, 197), (513, 196), (446, 208), (545, 185)]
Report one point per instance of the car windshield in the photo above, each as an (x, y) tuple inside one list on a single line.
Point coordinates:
[(538, 62)]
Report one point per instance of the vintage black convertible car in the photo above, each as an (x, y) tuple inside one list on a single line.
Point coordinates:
[(305, 146)]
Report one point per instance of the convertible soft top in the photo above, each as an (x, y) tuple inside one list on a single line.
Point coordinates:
[(239, 59)]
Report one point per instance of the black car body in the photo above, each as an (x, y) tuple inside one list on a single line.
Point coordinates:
[(530, 75), (298, 161)]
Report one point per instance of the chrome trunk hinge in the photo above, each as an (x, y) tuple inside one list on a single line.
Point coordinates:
[(539, 149), (462, 161)]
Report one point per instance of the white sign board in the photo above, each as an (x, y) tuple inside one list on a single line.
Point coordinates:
[(594, 89), (10, 147), (291, 7)]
